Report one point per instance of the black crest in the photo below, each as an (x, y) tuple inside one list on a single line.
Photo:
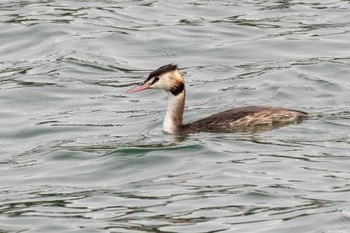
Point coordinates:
[(162, 70)]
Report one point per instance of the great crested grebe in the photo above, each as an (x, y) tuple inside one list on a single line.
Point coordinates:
[(249, 118)]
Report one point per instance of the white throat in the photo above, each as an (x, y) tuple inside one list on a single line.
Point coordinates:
[(174, 114)]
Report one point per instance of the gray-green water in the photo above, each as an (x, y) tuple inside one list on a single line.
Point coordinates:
[(77, 154)]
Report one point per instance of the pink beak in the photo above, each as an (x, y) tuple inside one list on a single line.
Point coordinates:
[(139, 88)]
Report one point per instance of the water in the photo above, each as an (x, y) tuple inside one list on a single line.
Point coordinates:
[(80, 155)]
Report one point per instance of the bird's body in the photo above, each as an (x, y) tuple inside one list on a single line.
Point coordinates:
[(252, 118), (249, 118)]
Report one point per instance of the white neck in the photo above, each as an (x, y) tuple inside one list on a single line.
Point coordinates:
[(174, 114)]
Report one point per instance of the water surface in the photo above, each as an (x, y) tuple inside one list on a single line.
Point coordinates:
[(80, 155)]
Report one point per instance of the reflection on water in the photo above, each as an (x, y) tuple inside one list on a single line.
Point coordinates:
[(80, 155)]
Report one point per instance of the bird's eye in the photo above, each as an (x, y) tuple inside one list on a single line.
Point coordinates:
[(155, 80)]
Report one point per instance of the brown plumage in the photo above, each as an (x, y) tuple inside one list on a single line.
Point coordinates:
[(252, 118)]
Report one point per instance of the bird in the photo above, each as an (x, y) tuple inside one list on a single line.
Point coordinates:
[(250, 118)]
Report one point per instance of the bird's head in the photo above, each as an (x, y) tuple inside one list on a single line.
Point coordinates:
[(166, 77)]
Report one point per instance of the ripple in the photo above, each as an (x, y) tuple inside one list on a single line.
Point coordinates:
[(76, 149)]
